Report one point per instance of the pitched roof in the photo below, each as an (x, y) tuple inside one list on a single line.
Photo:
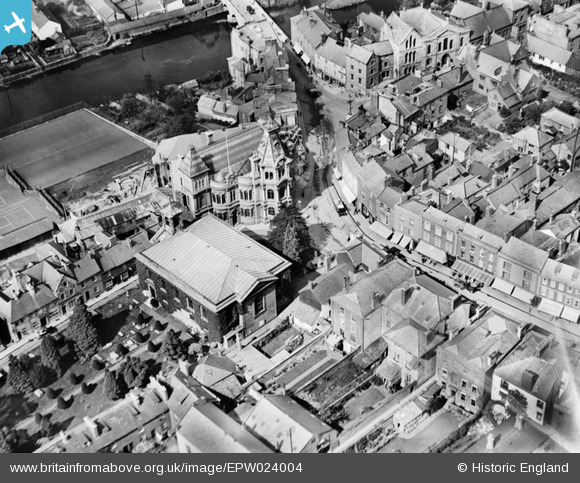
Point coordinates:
[(285, 425), (464, 10), (214, 261), (372, 20), (555, 54), (524, 253), (358, 298), (211, 430), (491, 335)]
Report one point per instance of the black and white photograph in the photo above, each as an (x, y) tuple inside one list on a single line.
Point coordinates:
[(292, 227)]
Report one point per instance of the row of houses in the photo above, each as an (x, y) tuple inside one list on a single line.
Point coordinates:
[(50, 284), (407, 328), (183, 407)]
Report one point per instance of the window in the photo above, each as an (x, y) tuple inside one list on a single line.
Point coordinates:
[(540, 404), (527, 285), (109, 284), (507, 266), (544, 281), (259, 304), (428, 50), (427, 225), (411, 222), (539, 416), (503, 384), (473, 402), (427, 237), (474, 389), (463, 383), (444, 372), (505, 276), (96, 290), (527, 275), (448, 247), (438, 242), (189, 303), (462, 397), (270, 194), (203, 312), (449, 236), (438, 230), (271, 211)]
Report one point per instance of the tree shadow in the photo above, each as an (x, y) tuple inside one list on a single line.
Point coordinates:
[(14, 408), (108, 327)]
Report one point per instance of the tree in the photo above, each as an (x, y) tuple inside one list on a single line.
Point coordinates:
[(18, 377), (85, 388), (289, 233), (111, 388), (83, 334), (131, 106), (61, 403), (6, 441), (50, 355), (149, 85), (135, 372), (290, 245), (504, 112), (568, 108), (173, 347), (50, 393)]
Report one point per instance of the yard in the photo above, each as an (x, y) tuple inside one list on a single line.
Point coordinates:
[(479, 135), (117, 327), (331, 386), (433, 430)]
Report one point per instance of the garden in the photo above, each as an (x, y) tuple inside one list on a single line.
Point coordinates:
[(97, 360)]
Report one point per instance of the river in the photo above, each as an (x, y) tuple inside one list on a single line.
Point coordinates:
[(170, 57)]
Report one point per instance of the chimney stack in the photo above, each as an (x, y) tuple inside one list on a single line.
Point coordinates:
[(92, 426), (346, 283), (406, 293), (494, 180)]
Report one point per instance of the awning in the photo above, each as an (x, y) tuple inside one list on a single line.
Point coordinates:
[(306, 59), (405, 241), (349, 196), (298, 49), (381, 230), (431, 252), (503, 286), (571, 314), (336, 172), (550, 307), (397, 238), (523, 295), (476, 273)]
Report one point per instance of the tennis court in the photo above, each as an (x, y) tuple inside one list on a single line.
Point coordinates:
[(66, 147)]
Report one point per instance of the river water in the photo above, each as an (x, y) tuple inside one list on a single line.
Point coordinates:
[(170, 57)]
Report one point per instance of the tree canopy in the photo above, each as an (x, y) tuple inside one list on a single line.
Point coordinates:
[(83, 333), (6, 441), (111, 387), (50, 355), (18, 377), (289, 233), (173, 347)]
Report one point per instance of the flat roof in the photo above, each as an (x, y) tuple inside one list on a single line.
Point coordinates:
[(66, 147)]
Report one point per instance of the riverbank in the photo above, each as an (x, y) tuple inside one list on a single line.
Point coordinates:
[(130, 32), (339, 4)]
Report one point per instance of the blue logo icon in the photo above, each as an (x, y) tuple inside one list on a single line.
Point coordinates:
[(15, 23)]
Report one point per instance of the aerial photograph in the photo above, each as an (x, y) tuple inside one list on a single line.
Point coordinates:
[(290, 226)]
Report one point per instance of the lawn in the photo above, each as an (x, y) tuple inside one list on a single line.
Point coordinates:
[(66, 148)]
